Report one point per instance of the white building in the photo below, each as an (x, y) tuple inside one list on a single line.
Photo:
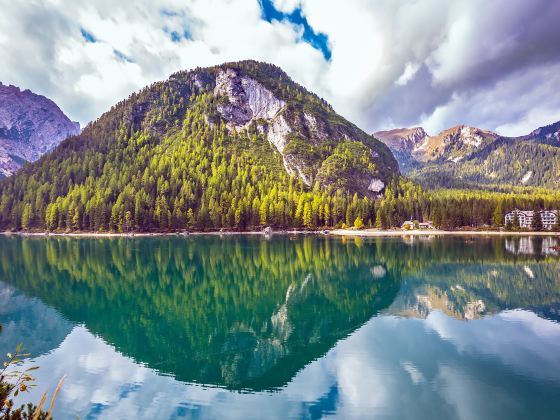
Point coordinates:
[(409, 225), (549, 218), (525, 217)]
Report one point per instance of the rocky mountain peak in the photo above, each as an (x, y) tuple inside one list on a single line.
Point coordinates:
[(464, 134), (248, 99), (30, 125), (403, 139), (296, 123), (413, 146), (548, 134)]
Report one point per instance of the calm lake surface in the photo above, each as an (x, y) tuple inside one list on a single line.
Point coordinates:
[(287, 327)]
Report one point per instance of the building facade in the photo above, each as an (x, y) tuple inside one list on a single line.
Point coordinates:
[(409, 225), (549, 218)]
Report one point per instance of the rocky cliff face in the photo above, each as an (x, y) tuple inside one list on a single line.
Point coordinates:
[(402, 139), (30, 125), (453, 144), (303, 134)]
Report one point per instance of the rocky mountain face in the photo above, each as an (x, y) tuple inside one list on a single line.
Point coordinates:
[(301, 127), (305, 136), (403, 139), (30, 125), (468, 157), (453, 144), (403, 142)]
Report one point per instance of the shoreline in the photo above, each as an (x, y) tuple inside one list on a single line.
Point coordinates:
[(156, 234), (435, 232), (333, 232)]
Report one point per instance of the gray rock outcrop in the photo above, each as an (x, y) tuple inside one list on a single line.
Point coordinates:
[(30, 126)]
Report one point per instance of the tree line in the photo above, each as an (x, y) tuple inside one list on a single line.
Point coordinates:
[(202, 175)]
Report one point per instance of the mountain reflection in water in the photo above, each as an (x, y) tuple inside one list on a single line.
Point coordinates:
[(127, 318)]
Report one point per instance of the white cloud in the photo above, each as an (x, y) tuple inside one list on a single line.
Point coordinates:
[(410, 69), (286, 6), (402, 63), (514, 106)]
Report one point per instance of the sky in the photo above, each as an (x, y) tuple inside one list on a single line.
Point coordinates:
[(493, 64)]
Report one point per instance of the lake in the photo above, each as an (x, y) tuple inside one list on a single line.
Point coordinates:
[(304, 326)]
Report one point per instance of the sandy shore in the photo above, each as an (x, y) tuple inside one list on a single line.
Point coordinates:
[(399, 232)]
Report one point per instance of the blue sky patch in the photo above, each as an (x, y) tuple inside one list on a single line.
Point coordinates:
[(317, 40), (87, 36), (121, 56), (168, 13), (177, 36)]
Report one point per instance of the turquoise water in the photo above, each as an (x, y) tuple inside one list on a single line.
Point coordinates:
[(287, 327)]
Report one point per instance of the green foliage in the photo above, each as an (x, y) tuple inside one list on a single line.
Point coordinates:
[(358, 223), (499, 215), (536, 223), (195, 178), (449, 209), (349, 162), (215, 296), (12, 383), (164, 160)]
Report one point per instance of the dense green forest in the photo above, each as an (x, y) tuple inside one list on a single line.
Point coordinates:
[(167, 159), (201, 177)]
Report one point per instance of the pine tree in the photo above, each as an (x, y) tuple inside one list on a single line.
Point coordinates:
[(499, 214), (509, 225), (358, 223), (26, 216), (516, 225), (190, 218), (307, 216), (536, 223)]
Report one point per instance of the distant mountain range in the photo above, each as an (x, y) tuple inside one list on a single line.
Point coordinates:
[(470, 157), (30, 125)]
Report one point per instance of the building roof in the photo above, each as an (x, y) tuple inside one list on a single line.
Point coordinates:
[(531, 213)]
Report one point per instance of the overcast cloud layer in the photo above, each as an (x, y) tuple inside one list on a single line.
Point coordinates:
[(382, 64)]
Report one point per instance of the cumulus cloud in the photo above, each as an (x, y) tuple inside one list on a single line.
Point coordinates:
[(424, 62)]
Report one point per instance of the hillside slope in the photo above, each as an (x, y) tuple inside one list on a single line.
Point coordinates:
[(238, 144), (468, 157), (30, 125)]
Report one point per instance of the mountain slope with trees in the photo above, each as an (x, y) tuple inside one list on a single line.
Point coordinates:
[(234, 146), (474, 158)]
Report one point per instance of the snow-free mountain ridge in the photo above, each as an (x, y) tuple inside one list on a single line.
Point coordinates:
[(30, 126)]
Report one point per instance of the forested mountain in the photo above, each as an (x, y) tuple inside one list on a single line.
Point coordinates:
[(30, 125), (234, 145), (468, 157)]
